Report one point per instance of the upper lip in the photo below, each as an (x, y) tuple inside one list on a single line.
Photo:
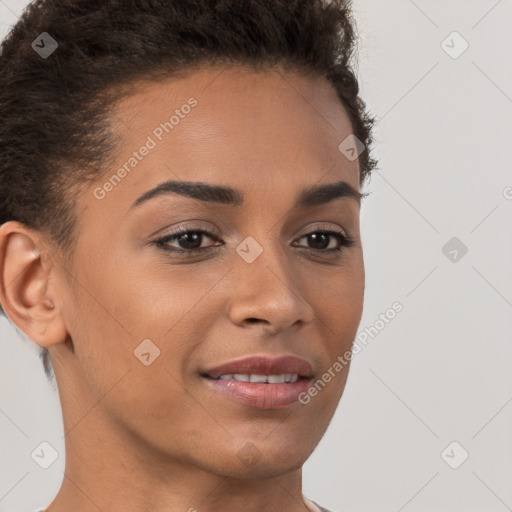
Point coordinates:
[(261, 365)]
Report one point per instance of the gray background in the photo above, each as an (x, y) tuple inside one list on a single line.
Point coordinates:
[(440, 371)]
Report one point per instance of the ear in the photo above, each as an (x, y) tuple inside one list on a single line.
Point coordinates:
[(25, 291)]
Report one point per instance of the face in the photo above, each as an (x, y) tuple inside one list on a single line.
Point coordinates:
[(151, 312)]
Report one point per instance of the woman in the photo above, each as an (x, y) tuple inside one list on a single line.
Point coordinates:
[(180, 198)]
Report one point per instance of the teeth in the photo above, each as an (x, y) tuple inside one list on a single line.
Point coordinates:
[(276, 379), (258, 378), (270, 379)]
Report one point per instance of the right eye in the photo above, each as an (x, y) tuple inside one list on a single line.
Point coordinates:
[(190, 238)]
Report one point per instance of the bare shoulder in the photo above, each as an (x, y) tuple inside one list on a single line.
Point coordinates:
[(322, 509)]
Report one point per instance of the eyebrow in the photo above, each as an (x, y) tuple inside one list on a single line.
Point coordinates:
[(312, 196)]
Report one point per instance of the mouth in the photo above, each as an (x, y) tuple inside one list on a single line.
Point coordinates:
[(254, 377), (261, 382)]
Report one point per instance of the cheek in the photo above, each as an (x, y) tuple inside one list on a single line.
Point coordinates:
[(133, 300), (340, 300), (136, 395)]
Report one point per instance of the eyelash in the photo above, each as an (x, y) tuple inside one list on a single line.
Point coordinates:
[(345, 241)]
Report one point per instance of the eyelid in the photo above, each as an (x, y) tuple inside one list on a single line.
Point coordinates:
[(320, 227), (211, 230), (191, 225)]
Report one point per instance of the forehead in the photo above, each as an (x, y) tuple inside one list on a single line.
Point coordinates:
[(246, 128)]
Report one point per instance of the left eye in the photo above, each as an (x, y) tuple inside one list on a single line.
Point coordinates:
[(190, 241), (319, 238)]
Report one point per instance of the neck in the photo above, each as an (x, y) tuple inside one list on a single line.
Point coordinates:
[(109, 467)]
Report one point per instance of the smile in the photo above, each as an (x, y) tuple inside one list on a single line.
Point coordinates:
[(271, 379)]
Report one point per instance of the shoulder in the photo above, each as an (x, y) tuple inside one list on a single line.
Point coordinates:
[(322, 509)]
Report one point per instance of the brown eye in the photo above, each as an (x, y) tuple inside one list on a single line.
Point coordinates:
[(319, 240), (189, 240)]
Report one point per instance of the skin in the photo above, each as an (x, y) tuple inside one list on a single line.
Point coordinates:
[(156, 438)]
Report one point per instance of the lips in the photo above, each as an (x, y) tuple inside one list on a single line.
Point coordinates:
[(263, 366), (262, 382)]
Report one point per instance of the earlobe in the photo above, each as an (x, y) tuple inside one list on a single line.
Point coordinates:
[(24, 285)]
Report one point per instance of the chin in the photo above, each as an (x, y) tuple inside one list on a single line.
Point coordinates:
[(265, 459), (264, 468)]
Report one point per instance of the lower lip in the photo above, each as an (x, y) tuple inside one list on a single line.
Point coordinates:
[(260, 394)]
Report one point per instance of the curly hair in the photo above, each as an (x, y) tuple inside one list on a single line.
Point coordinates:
[(54, 109)]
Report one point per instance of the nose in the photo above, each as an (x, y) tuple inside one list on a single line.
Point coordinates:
[(269, 292)]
